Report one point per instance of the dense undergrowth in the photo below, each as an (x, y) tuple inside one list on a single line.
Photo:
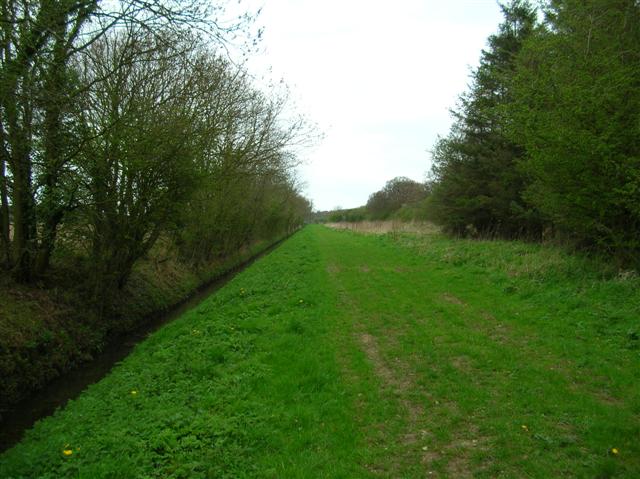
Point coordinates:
[(47, 329)]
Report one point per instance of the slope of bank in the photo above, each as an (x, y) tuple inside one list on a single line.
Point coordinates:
[(48, 329), (245, 385)]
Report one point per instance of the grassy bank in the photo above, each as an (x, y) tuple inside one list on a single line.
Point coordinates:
[(350, 355), (47, 329), (237, 387)]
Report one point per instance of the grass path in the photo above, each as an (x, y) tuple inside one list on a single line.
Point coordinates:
[(350, 355)]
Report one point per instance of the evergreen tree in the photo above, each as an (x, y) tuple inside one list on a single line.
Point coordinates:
[(477, 183), (577, 113)]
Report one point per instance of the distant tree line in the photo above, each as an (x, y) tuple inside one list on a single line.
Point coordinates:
[(121, 124), (401, 198), (547, 139)]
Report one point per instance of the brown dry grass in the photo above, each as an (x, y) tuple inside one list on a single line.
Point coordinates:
[(390, 226)]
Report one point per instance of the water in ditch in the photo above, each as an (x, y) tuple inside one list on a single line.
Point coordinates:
[(21, 416)]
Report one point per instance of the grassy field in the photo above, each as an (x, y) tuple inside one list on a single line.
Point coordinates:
[(350, 355)]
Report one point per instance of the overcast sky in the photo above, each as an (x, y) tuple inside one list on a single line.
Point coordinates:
[(378, 77)]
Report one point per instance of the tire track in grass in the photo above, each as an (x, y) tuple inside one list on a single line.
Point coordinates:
[(394, 437), (465, 446), (411, 448), (509, 382)]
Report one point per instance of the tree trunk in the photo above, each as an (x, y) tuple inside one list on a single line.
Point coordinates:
[(18, 116), (5, 241), (23, 222), (47, 241), (53, 203)]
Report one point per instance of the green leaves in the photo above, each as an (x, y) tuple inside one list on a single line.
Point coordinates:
[(548, 134), (575, 110), (478, 184)]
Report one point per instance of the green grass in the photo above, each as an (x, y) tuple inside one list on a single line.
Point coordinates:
[(49, 328), (350, 355)]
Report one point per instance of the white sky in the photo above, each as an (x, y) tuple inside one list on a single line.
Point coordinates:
[(378, 77)]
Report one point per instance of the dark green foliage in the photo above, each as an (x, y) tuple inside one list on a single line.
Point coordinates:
[(348, 215), (401, 198), (396, 194), (547, 140), (477, 184), (576, 110)]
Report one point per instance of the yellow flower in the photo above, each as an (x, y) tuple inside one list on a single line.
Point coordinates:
[(134, 392), (67, 452), (614, 451)]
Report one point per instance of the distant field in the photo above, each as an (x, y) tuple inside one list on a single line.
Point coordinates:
[(344, 355)]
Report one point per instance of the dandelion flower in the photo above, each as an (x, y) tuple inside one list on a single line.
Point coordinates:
[(134, 392), (614, 451), (67, 452)]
